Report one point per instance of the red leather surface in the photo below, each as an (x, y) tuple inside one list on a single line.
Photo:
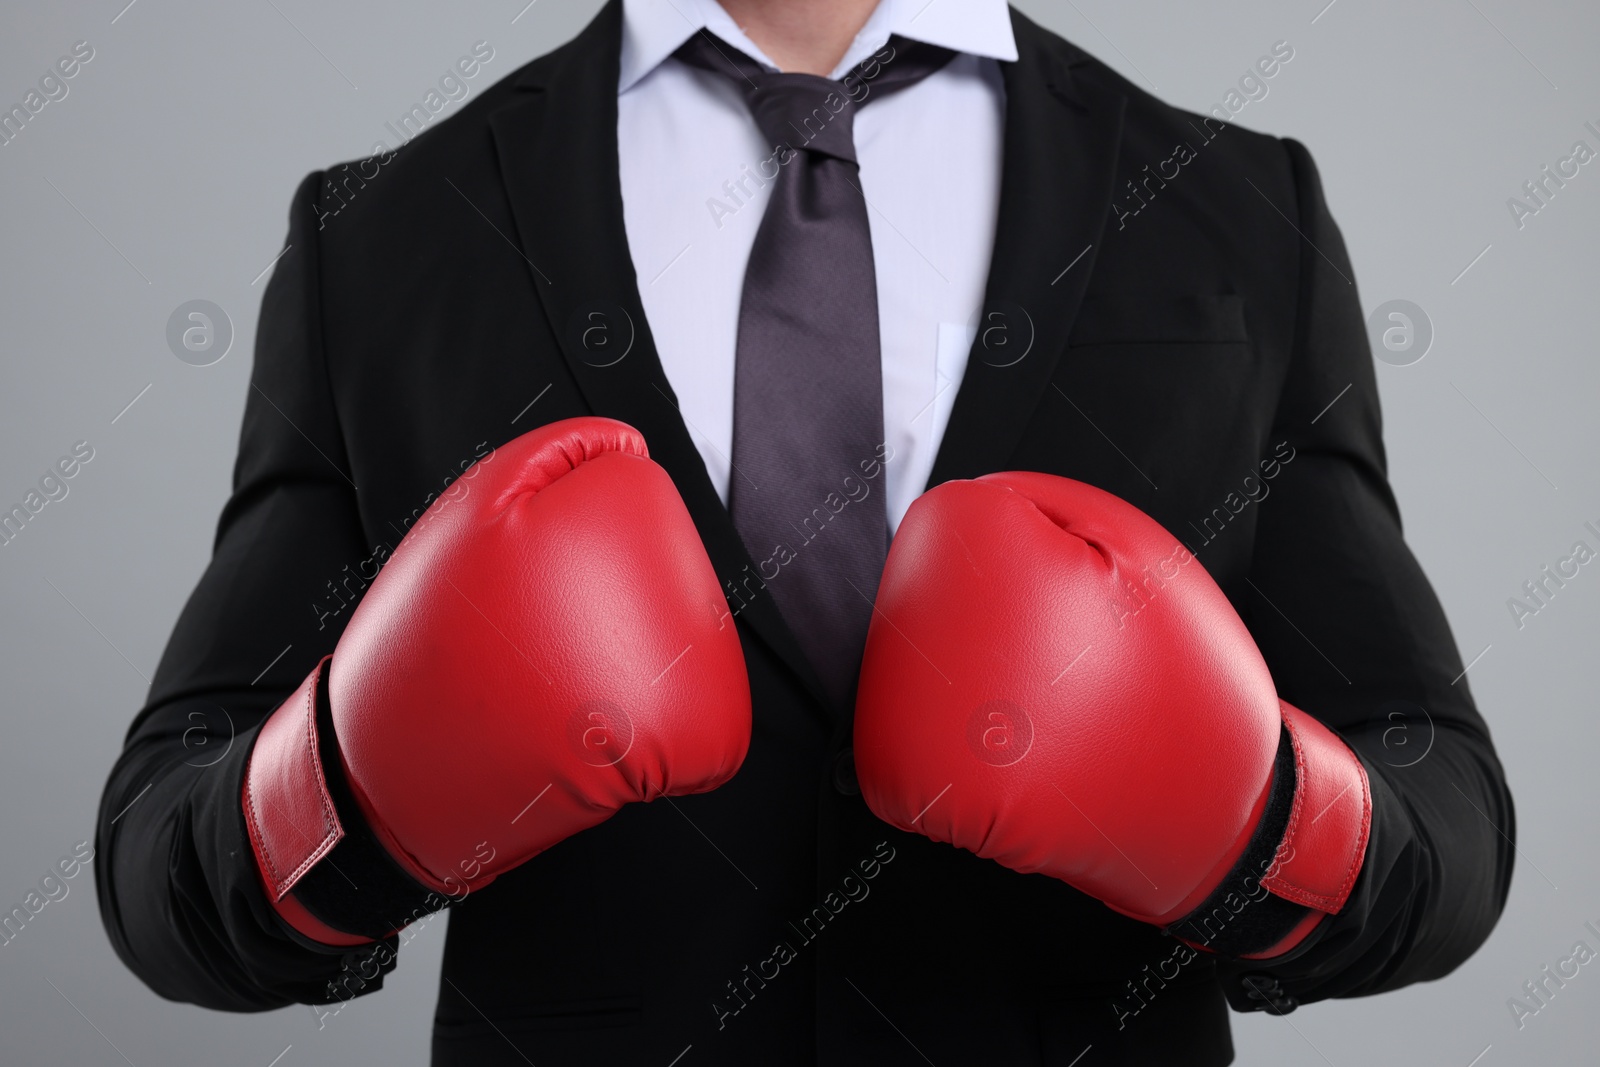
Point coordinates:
[(287, 810), (536, 654), (1052, 681), (1326, 840)]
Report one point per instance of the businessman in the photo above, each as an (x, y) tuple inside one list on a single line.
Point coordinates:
[(823, 532)]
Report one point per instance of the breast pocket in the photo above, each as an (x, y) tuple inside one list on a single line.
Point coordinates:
[(1156, 391), (1143, 319)]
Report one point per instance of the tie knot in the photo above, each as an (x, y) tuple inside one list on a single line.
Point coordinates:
[(808, 112), (804, 111)]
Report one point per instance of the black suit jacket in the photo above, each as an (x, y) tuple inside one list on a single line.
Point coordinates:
[(1170, 316)]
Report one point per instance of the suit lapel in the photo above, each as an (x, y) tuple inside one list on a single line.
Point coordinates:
[(1061, 146), (556, 140)]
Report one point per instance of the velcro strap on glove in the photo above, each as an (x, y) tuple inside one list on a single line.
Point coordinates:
[(287, 808), (324, 869), (1302, 859), (1326, 839)]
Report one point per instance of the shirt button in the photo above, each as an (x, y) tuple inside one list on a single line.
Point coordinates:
[(844, 773)]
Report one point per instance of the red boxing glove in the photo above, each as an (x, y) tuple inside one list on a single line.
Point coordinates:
[(1053, 682), (537, 653)]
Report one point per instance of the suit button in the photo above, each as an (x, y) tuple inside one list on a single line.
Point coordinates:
[(844, 773), (1266, 994)]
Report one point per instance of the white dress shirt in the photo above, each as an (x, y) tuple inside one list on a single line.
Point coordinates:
[(930, 171)]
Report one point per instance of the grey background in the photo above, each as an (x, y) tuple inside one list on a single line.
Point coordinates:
[(165, 175)]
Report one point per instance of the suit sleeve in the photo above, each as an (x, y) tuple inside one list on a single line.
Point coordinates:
[(1355, 636), (179, 893)]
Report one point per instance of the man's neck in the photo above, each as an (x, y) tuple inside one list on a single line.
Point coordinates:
[(801, 36)]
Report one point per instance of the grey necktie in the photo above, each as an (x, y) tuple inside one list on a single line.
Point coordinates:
[(807, 490)]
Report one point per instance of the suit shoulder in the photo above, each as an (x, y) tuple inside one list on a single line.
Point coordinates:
[(1152, 128), (444, 131)]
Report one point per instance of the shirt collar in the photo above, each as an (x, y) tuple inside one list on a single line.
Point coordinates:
[(653, 29)]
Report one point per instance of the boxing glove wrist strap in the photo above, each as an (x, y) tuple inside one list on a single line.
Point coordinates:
[(1241, 916), (1302, 860), (324, 869)]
